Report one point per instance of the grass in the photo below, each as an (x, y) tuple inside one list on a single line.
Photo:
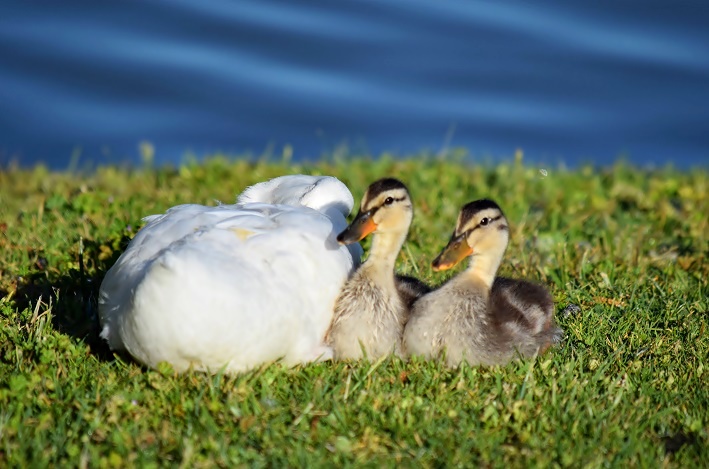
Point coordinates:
[(627, 388)]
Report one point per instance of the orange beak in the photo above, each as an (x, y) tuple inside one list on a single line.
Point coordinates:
[(361, 226), (456, 250)]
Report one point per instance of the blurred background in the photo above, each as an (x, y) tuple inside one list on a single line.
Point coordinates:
[(84, 83)]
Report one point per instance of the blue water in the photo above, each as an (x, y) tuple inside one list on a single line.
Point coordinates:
[(564, 81)]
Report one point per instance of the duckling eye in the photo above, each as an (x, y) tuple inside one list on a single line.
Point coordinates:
[(484, 221), (389, 201)]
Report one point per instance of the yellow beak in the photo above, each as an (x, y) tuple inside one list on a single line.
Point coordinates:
[(456, 250), (361, 226)]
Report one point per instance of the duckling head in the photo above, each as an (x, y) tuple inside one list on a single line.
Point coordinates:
[(386, 208), (481, 233)]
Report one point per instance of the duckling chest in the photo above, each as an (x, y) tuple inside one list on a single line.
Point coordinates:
[(370, 304), (450, 318), (466, 324)]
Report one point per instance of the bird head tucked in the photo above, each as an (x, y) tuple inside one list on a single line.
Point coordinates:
[(322, 193)]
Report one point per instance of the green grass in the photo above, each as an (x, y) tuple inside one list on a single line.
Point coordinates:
[(627, 388)]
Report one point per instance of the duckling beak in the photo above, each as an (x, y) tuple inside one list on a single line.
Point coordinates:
[(456, 250), (361, 226)]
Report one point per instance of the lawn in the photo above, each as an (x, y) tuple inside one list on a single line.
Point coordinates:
[(623, 250)]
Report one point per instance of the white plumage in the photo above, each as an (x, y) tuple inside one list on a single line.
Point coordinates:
[(233, 286)]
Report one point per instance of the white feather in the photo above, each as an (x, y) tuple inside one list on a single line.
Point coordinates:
[(233, 286)]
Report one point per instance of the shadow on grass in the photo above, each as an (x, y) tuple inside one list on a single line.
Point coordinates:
[(674, 442), (73, 295)]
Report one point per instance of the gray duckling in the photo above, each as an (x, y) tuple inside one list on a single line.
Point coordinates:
[(374, 304), (476, 316)]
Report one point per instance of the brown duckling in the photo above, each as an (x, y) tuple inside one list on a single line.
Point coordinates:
[(475, 316), (374, 304)]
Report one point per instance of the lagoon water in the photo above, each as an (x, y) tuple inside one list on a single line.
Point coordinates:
[(568, 83)]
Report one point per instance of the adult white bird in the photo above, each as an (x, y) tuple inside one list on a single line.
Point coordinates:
[(233, 286)]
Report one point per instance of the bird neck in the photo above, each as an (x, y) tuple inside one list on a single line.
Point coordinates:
[(483, 268), (384, 250)]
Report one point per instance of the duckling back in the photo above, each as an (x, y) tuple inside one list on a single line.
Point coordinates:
[(515, 318), (522, 313), (410, 289)]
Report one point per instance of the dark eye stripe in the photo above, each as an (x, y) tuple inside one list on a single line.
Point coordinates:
[(394, 199), (489, 222), (374, 209)]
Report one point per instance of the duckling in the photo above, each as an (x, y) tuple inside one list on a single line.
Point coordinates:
[(374, 304), (475, 316)]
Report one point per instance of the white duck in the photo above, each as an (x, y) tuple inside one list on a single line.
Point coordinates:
[(233, 286)]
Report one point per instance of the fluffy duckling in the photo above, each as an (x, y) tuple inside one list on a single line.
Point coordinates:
[(475, 316), (374, 304)]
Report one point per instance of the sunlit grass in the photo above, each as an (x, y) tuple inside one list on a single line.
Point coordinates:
[(627, 388)]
